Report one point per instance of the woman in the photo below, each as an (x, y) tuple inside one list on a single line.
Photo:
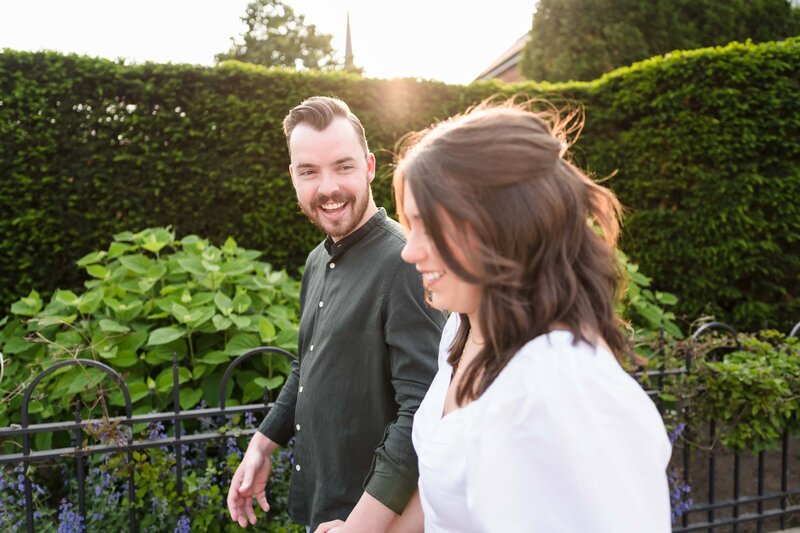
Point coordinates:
[(531, 424)]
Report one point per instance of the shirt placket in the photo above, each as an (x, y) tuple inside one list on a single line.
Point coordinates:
[(317, 330)]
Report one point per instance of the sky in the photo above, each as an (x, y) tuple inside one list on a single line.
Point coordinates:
[(446, 40)]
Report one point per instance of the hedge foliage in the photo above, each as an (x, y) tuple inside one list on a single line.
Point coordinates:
[(707, 148), (702, 145)]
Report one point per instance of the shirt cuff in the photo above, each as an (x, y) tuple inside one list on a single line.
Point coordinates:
[(277, 427), (389, 486)]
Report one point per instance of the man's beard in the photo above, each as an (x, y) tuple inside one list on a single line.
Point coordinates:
[(340, 228)]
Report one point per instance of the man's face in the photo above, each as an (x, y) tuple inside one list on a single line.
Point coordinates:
[(331, 176)]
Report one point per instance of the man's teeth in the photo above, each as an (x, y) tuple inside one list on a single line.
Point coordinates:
[(432, 276), (332, 207)]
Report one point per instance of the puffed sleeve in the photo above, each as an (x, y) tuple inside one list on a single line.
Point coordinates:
[(567, 450)]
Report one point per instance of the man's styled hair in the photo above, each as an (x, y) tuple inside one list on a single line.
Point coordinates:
[(539, 234), (318, 112)]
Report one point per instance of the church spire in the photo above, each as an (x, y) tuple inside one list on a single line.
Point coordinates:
[(348, 51)]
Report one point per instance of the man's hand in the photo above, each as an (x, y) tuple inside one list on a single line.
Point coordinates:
[(250, 480), (334, 526)]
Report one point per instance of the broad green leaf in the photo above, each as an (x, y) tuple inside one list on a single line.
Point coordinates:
[(209, 266), (91, 258), (125, 236), (130, 285), (157, 239), (190, 240), (136, 389), (97, 271), (164, 380), (84, 379), (18, 345), (27, 306), (666, 298), (213, 280), (125, 359), (164, 336), (287, 339), (137, 263), (109, 326), (266, 330), (215, 358), (192, 265), (650, 313), (156, 271), (145, 284), (269, 383), (249, 255), (236, 268), (230, 247), (89, 301), (44, 441), (221, 323), (108, 353), (199, 371), (157, 357), (65, 297), (201, 315), (241, 322), (280, 311), (117, 249), (223, 303), (180, 313), (129, 309), (190, 397), (202, 298), (241, 303), (241, 343), (252, 392), (253, 283)]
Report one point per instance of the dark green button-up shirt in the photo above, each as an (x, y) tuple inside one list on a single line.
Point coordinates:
[(367, 355)]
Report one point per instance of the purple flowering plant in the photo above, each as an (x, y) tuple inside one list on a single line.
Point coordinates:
[(207, 470)]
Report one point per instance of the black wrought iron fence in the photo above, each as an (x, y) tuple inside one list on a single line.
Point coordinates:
[(748, 494), (126, 445), (730, 490)]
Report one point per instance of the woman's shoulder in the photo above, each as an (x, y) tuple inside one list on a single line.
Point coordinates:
[(554, 372)]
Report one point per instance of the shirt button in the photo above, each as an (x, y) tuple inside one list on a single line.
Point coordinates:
[(297, 427), (301, 388), (320, 303), (332, 265), (297, 467), (311, 348)]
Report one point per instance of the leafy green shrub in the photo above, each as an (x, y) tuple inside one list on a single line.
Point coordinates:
[(645, 310), (152, 296), (753, 394), (750, 391)]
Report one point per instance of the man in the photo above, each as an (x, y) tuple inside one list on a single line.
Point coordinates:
[(367, 345)]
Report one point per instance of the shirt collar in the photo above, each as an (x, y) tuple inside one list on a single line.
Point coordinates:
[(342, 245)]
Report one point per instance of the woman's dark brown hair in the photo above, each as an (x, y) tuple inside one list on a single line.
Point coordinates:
[(539, 235)]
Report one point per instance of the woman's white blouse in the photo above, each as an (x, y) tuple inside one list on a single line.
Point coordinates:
[(562, 441)]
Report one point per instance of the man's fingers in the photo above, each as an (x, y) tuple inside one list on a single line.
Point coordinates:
[(261, 498), (233, 496), (329, 526), (248, 508), (247, 480)]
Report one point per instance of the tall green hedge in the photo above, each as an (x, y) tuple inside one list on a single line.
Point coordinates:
[(703, 147), (707, 148)]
